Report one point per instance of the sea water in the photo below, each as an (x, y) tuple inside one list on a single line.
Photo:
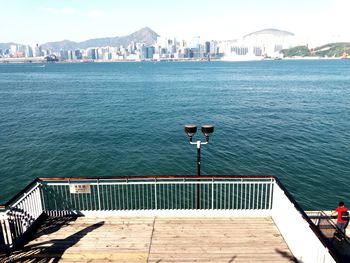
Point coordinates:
[(290, 119)]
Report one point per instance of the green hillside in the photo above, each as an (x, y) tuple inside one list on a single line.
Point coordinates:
[(329, 50)]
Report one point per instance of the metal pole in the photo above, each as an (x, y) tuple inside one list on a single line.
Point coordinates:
[(198, 158), (198, 171)]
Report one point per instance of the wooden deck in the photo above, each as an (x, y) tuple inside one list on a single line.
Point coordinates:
[(116, 239)]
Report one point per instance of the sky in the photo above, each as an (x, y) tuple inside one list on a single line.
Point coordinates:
[(41, 21)]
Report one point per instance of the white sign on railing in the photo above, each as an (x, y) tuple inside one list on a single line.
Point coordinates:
[(80, 188)]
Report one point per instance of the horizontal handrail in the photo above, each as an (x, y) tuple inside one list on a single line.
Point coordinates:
[(157, 177)]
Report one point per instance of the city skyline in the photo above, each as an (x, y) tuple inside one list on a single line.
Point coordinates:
[(30, 22)]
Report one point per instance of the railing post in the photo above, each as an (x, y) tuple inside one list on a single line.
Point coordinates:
[(98, 194), (155, 193), (271, 186), (212, 193)]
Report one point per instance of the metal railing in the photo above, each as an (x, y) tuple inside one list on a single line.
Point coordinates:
[(152, 193), (18, 215)]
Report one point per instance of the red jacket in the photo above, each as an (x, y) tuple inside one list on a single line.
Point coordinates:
[(339, 210)]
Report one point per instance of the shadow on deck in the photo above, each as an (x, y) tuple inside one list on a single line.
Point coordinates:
[(338, 241), (52, 249), (153, 239)]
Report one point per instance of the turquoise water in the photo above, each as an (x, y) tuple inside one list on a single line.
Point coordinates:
[(290, 119)]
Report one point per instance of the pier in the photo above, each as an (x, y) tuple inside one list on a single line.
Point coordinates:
[(161, 219)]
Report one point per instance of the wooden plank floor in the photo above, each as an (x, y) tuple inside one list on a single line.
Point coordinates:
[(116, 239)]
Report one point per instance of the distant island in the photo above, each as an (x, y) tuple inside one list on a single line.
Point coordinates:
[(332, 50)]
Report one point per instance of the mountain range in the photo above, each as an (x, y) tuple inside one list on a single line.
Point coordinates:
[(144, 35)]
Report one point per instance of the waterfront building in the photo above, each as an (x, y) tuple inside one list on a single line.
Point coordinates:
[(29, 51), (13, 49), (91, 54), (270, 41), (64, 54), (37, 51), (77, 54)]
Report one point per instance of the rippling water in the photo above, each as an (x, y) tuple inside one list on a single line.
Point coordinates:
[(285, 118)]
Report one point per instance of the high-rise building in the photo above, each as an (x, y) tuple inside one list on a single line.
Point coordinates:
[(29, 51), (37, 51)]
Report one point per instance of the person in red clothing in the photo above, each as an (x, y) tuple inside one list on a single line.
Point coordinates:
[(342, 216)]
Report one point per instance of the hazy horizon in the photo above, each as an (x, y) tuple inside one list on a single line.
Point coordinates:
[(31, 22)]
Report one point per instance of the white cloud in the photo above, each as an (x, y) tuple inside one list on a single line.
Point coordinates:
[(94, 13)]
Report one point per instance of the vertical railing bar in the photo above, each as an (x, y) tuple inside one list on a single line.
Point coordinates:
[(75, 201), (254, 193), (137, 204), (225, 194), (35, 204), (183, 196), (21, 207), (249, 195), (266, 199), (98, 195), (258, 197), (155, 194), (86, 201), (123, 198), (160, 196), (119, 206), (63, 197), (217, 195), (70, 195), (241, 190), (194, 195), (176, 196), (134, 195), (229, 196), (42, 196), (66, 198), (190, 195), (28, 208), (83, 200), (272, 185), (171, 197), (189, 189), (245, 194), (167, 196), (79, 200), (115, 198), (111, 197), (104, 202), (104, 193), (31, 206), (220, 195), (143, 196), (127, 195), (233, 197), (147, 194)]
